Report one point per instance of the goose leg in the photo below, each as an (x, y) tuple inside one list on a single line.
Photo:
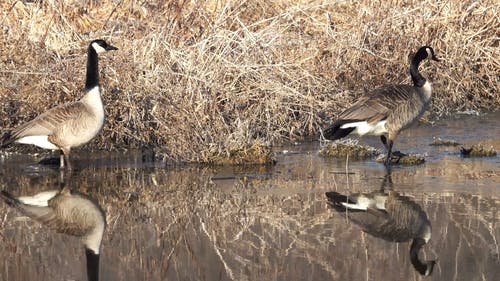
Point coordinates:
[(65, 158), (389, 153), (384, 141), (387, 182), (61, 161), (388, 147), (68, 163)]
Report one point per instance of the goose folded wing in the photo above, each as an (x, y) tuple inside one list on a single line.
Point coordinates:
[(48, 122), (372, 108), (44, 215), (49, 218)]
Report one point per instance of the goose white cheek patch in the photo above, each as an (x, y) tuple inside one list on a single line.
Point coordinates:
[(98, 48), (429, 53)]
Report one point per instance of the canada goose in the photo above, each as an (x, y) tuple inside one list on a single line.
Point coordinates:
[(70, 213), (390, 217), (71, 124), (387, 110)]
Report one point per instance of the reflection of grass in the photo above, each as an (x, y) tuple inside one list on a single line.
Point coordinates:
[(184, 226), (227, 74), (342, 149), (255, 154), (478, 150)]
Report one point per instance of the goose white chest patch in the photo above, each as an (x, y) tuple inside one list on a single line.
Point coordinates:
[(427, 89), (93, 97)]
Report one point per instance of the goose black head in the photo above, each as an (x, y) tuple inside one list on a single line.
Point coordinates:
[(101, 46), (426, 52)]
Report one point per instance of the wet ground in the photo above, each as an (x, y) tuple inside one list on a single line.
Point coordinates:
[(264, 222)]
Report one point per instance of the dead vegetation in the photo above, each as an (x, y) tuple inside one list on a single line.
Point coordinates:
[(411, 159), (348, 148), (196, 77), (478, 150)]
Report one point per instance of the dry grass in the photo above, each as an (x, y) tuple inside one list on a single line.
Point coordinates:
[(478, 150), (348, 148), (257, 153), (409, 160), (194, 77)]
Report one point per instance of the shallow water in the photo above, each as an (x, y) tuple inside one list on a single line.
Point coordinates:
[(264, 222)]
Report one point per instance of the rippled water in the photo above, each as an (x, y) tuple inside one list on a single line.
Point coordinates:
[(264, 222)]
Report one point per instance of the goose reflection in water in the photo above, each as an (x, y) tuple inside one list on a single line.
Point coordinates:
[(67, 212), (389, 216)]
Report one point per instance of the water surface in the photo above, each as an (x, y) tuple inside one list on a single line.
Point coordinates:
[(263, 222)]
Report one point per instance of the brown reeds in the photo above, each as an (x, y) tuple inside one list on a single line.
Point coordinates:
[(194, 77)]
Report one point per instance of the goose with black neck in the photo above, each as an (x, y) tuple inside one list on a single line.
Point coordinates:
[(387, 110), (389, 216), (72, 124), (68, 212)]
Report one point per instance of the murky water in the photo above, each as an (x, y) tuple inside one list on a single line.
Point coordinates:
[(264, 223)]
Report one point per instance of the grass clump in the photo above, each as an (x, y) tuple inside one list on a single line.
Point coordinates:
[(257, 153), (444, 142), (349, 147), (403, 159), (478, 150)]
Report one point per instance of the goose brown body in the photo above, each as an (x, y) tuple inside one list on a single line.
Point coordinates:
[(70, 213), (387, 110), (399, 105), (389, 216), (71, 124), (68, 125), (399, 220)]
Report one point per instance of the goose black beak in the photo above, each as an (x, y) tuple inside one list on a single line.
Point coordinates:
[(435, 59), (111, 48)]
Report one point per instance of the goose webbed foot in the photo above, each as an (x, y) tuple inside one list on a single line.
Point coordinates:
[(398, 154), (394, 158)]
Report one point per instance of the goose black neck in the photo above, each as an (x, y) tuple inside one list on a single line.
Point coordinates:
[(422, 268), (92, 265), (92, 69), (416, 77)]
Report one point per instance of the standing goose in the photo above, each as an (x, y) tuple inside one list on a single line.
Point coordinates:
[(387, 110), (390, 217), (70, 213), (71, 124)]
